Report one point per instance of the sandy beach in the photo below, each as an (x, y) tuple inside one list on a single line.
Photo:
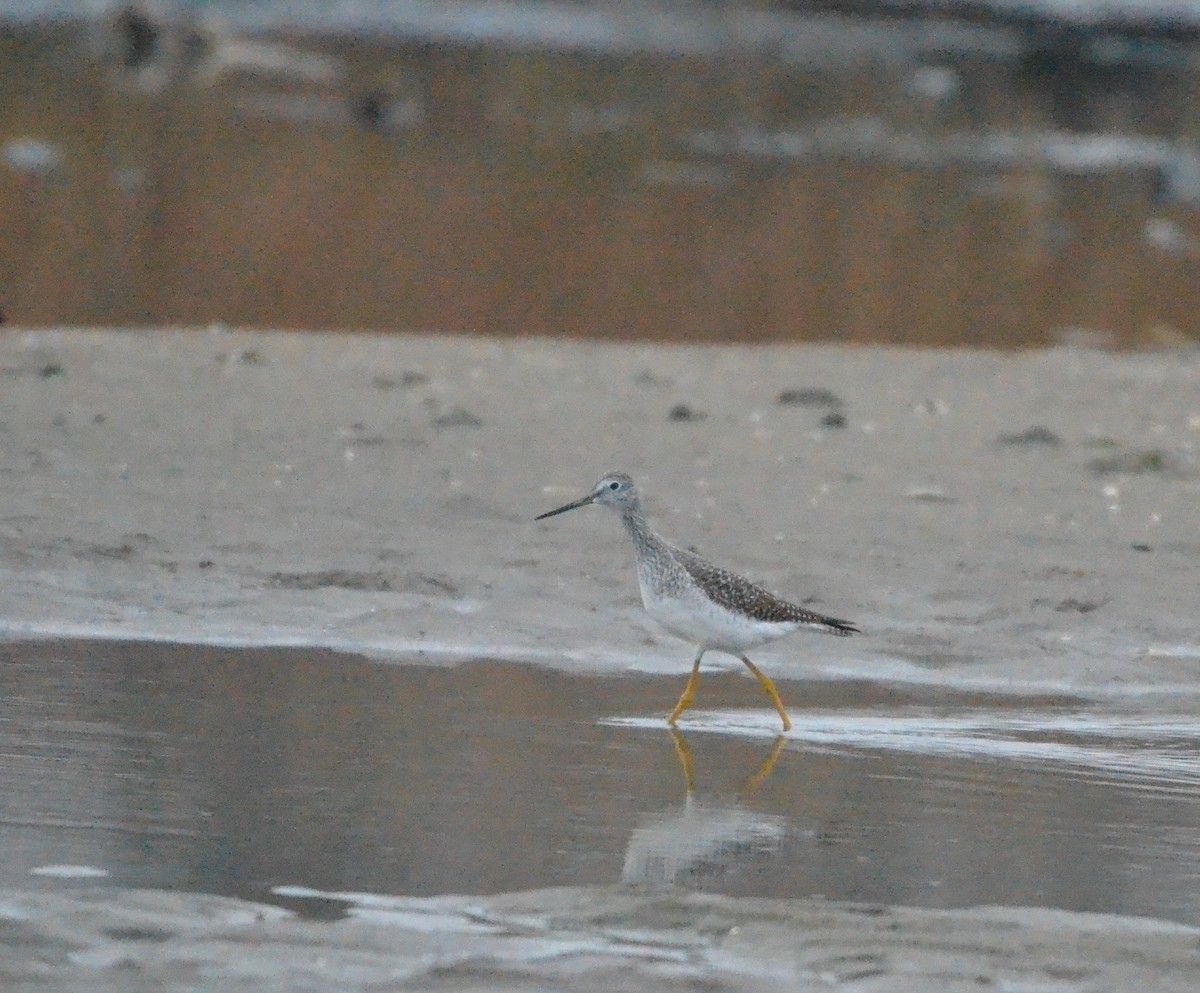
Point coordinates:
[(1021, 525), (600, 939), (1020, 522)]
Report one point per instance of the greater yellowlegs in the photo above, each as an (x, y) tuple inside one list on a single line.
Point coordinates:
[(713, 608)]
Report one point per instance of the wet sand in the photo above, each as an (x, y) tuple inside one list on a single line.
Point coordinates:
[(1015, 534), (1021, 523), (595, 939)]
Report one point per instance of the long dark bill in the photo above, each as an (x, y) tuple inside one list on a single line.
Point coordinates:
[(570, 506)]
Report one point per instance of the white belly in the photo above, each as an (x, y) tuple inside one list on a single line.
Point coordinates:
[(697, 619)]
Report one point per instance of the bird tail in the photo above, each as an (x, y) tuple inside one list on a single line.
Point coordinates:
[(832, 625)]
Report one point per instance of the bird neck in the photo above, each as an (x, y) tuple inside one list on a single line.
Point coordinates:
[(653, 554), (637, 527)]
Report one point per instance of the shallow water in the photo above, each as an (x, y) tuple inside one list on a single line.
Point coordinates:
[(239, 772)]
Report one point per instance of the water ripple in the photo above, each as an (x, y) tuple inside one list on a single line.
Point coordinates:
[(1159, 753)]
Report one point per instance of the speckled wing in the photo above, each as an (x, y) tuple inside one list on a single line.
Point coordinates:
[(740, 595)]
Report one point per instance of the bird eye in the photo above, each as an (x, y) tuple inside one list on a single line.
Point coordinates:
[(614, 485)]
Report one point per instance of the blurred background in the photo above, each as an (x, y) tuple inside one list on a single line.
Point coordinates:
[(987, 172)]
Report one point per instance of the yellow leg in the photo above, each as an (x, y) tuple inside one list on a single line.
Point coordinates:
[(689, 691), (769, 687)]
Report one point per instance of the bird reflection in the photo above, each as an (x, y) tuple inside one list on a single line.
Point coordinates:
[(673, 846)]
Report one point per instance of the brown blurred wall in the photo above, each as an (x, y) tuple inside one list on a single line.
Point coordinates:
[(471, 190)]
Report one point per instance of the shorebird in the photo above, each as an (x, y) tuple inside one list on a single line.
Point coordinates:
[(714, 609)]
